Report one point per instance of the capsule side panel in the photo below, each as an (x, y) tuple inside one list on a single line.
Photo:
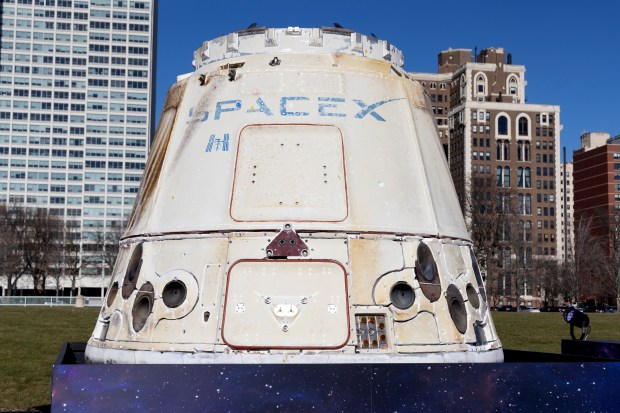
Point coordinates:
[(387, 189)]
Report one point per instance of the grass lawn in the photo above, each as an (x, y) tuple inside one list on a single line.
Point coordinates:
[(30, 340), (543, 332)]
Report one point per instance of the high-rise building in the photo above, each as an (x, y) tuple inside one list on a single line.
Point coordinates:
[(596, 179), (77, 82), (566, 242), (502, 151)]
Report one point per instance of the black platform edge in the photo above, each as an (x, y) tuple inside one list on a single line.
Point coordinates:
[(71, 353), (602, 349), (519, 356)]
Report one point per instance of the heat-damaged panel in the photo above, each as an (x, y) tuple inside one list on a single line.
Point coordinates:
[(286, 304), (290, 173)]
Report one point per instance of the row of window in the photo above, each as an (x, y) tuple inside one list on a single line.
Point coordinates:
[(67, 15), (92, 94), (76, 27), (38, 187), (83, 4), (62, 153), (73, 107), (46, 117), (512, 84), (73, 73), (502, 177), (5, 127), (38, 140), (59, 60), (61, 176), (61, 200), (433, 85)]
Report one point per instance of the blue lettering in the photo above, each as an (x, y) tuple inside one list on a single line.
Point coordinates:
[(219, 109), (323, 106), (283, 110), (262, 107), (216, 144), (370, 109)]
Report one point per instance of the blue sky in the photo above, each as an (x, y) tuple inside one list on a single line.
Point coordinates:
[(571, 50)]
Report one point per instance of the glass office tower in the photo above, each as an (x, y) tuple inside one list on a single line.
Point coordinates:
[(77, 85)]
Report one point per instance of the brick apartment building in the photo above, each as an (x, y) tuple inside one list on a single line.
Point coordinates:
[(493, 139)]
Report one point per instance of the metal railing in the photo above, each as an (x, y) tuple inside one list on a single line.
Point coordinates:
[(47, 301)]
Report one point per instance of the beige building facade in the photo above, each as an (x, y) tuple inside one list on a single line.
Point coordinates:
[(505, 149)]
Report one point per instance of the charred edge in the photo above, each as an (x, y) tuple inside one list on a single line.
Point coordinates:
[(158, 152), (345, 234)]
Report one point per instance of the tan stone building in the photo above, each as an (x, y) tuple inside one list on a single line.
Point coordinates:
[(567, 238), (493, 139)]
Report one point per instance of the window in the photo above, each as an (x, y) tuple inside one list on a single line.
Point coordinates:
[(503, 150), (503, 176), (528, 204), (523, 126), (481, 84), (512, 85), (502, 125), (523, 153)]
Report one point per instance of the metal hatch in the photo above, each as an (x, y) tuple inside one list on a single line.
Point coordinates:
[(290, 173), (295, 304)]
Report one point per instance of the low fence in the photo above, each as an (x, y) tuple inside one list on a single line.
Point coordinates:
[(48, 301)]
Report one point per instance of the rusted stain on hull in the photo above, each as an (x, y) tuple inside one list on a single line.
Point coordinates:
[(158, 151)]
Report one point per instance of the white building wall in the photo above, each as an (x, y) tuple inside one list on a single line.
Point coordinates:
[(76, 108)]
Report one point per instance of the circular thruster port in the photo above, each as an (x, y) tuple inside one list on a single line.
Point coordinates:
[(174, 294), (132, 272), (456, 307), (112, 293), (402, 295), (426, 263), (142, 307), (472, 296)]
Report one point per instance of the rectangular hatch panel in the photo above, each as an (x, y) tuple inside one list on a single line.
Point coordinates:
[(294, 304), (290, 173)]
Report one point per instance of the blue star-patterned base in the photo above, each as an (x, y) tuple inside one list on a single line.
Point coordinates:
[(519, 387)]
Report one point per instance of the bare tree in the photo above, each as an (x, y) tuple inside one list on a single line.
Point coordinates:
[(68, 260), (485, 217), (109, 242), (42, 244), (30, 245), (72, 254), (548, 274), (103, 249), (589, 256), (610, 274), (12, 266), (518, 250)]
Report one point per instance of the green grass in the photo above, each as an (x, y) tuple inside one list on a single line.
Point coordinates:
[(31, 337), (30, 340), (544, 331)]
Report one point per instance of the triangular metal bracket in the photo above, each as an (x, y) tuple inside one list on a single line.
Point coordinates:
[(287, 244)]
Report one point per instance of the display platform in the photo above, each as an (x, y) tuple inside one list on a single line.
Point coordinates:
[(525, 382)]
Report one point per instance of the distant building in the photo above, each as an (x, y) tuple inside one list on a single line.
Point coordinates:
[(77, 84), (494, 139), (597, 182), (596, 179), (567, 239)]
